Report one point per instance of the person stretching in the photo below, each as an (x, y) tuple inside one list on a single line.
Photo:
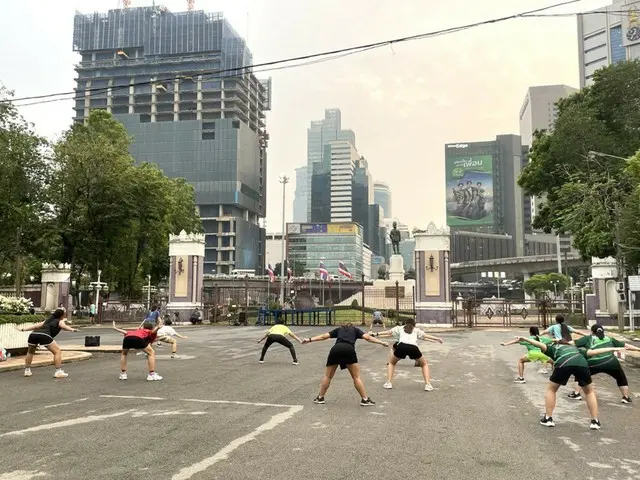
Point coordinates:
[(139, 339), (569, 362), (44, 333), (534, 354), (166, 334), (343, 354), (554, 331), (601, 359), (407, 346), (278, 334)]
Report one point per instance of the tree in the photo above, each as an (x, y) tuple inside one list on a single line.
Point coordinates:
[(277, 268), (411, 274), (586, 193), (540, 284), (382, 272)]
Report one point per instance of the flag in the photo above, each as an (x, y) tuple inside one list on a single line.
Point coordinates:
[(289, 273), (272, 277), (342, 270), (324, 273)]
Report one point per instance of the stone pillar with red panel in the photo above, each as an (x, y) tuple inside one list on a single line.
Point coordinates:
[(56, 287), (186, 271), (434, 305)]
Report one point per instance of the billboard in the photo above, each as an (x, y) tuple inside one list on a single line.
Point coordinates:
[(469, 190), (306, 228), (631, 24), (341, 228)]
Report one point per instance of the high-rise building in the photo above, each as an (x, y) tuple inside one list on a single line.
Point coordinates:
[(608, 38), (539, 112), (382, 196), (319, 134), (483, 195), (300, 199), (158, 73)]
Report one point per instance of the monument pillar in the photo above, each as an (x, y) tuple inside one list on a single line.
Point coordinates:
[(434, 305), (604, 272), (186, 271), (56, 287)]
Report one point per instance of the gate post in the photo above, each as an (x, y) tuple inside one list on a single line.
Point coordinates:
[(362, 322), (398, 300)]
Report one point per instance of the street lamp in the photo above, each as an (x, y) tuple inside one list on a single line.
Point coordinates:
[(555, 288), (148, 288), (99, 286), (284, 179)]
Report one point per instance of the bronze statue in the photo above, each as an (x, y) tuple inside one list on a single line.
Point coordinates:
[(394, 235)]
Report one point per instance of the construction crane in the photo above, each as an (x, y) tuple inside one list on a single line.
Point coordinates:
[(190, 4)]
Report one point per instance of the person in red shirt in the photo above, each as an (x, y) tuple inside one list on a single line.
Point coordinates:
[(139, 339)]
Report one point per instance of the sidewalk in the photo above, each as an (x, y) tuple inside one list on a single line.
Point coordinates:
[(100, 349), (42, 359)]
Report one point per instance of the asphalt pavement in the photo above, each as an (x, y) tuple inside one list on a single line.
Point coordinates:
[(218, 414)]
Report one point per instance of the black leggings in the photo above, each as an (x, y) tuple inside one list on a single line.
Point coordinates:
[(616, 373), (282, 340)]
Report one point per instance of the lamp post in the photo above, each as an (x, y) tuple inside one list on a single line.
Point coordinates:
[(99, 286), (555, 289), (284, 179), (148, 288)]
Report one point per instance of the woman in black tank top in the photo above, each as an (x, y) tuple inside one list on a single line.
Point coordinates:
[(44, 333)]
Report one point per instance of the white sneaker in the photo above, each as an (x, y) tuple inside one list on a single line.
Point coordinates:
[(27, 373), (60, 374), (153, 377), (387, 385), (175, 355), (260, 361), (543, 371), (428, 387), (296, 363), (123, 376)]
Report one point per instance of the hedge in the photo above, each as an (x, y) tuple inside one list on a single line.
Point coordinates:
[(12, 318)]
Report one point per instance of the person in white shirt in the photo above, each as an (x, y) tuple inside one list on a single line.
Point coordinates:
[(166, 334), (407, 346)]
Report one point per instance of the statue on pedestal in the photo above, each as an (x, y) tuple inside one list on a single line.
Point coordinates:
[(394, 235)]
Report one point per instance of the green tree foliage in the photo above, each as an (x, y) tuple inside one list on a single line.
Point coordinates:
[(585, 193), (541, 284)]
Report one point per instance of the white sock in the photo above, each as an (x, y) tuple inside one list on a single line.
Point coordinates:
[(58, 370)]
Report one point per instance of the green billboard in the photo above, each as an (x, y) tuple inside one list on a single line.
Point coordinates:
[(469, 190)]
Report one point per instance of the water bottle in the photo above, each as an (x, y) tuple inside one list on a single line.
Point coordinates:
[(3, 355)]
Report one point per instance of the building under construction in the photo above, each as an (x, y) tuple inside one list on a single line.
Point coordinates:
[(182, 85)]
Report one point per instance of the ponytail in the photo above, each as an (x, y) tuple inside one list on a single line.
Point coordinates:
[(598, 331), (409, 326), (535, 332), (565, 333)]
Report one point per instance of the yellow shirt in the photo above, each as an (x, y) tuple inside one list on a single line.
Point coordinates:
[(279, 330)]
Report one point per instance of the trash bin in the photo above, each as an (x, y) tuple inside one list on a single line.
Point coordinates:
[(242, 318)]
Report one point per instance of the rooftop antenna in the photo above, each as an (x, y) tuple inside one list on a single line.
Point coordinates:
[(190, 5)]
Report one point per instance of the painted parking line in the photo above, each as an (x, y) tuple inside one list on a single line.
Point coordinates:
[(132, 397), (54, 406), (236, 402)]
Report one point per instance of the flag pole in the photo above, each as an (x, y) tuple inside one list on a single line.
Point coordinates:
[(339, 288)]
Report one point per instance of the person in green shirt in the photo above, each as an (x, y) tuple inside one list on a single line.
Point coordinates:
[(534, 354), (601, 359), (568, 362), (278, 334)]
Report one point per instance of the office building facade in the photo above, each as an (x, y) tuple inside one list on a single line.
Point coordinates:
[(382, 196), (300, 196), (307, 244), (608, 38), (155, 71), (539, 112)]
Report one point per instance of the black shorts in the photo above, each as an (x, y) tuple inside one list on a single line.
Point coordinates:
[(342, 354), (134, 343), (402, 350), (39, 338), (377, 322), (616, 373), (561, 375)]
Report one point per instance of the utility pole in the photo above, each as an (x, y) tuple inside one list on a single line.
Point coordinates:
[(19, 262), (620, 266), (284, 179)]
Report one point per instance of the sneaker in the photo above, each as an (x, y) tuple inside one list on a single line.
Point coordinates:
[(123, 376), (543, 371), (595, 424), (519, 380), (153, 377), (296, 362), (626, 399), (575, 396), (60, 374), (260, 361), (319, 400), (27, 373), (428, 387), (387, 385), (367, 402), (175, 355), (547, 421)]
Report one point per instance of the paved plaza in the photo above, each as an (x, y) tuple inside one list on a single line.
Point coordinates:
[(218, 414)]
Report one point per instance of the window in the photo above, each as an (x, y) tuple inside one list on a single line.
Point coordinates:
[(145, 118), (208, 125), (618, 52), (208, 135), (235, 124)]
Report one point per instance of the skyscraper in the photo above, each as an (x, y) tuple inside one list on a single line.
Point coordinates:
[(382, 196), (300, 199), (182, 86), (608, 38)]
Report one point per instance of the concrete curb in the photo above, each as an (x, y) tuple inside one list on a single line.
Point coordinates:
[(43, 360), (100, 349)]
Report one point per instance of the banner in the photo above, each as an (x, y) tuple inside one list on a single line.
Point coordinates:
[(469, 190), (630, 24), (341, 228)]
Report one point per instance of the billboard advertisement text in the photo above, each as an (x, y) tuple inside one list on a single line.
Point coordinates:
[(341, 228), (469, 190)]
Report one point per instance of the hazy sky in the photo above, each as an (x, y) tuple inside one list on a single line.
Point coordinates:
[(404, 103)]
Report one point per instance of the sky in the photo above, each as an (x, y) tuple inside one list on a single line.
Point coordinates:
[(404, 102)]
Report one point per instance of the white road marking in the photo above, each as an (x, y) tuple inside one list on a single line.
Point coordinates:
[(188, 472), (54, 406), (377, 413), (573, 446), (22, 475), (66, 423), (599, 465), (132, 397), (234, 402)]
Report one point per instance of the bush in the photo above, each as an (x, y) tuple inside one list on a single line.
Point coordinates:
[(14, 305), (391, 313), (20, 319), (354, 304)]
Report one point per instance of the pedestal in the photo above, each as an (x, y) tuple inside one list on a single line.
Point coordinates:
[(604, 272), (434, 305), (56, 287), (186, 260), (396, 269)]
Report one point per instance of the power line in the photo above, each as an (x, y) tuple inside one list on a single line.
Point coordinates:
[(332, 54)]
